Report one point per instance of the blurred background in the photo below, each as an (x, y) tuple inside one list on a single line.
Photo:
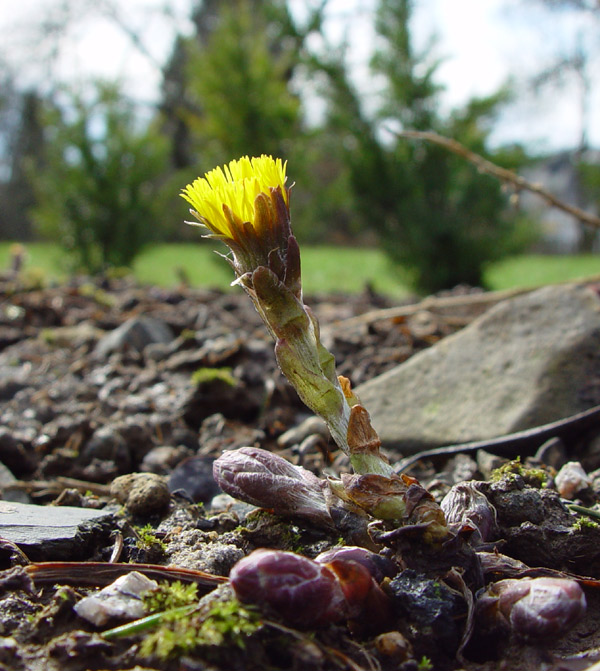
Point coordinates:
[(109, 107)]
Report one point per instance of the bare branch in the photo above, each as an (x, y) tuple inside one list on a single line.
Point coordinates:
[(504, 175)]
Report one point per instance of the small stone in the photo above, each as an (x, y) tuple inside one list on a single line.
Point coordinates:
[(10, 653), (14, 455), (462, 467), (161, 460), (136, 334), (7, 491), (571, 479), (107, 444), (142, 494), (297, 434), (121, 600), (393, 644), (430, 606), (552, 453), (488, 462), (195, 477)]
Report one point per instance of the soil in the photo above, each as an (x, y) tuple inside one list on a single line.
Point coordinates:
[(78, 412)]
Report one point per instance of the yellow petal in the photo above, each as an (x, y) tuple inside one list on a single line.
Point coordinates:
[(236, 185)]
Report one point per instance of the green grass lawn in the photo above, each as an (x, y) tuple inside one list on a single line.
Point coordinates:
[(323, 268)]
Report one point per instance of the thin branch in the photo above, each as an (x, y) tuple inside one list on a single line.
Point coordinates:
[(433, 303), (483, 165), (482, 300)]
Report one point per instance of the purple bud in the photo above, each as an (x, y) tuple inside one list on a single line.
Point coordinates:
[(301, 591), (264, 479), (466, 507), (533, 608)]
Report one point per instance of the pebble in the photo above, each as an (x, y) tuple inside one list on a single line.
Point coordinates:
[(136, 334), (552, 453), (142, 494), (121, 600), (488, 462), (571, 479), (195, 477), (297, 434), (162, 459), (7, 491)]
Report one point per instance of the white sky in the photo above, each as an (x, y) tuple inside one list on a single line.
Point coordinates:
[(482, 42)]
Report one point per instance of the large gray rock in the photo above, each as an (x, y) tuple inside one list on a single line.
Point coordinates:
[(527, 361)]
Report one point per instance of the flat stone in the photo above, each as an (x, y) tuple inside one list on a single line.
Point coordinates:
[(51, 532), (528, 361)]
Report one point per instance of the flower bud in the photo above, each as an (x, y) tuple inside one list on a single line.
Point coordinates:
[(466, 507), (533, 608), (264, 479), (305, 593), (301, 591)]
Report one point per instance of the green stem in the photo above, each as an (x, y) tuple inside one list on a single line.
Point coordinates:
[(148, 622), (584, 511)]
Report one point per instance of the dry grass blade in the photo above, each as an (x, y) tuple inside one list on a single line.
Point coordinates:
[(99, 574)]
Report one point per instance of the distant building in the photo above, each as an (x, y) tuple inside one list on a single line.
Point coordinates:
[(561, 232)]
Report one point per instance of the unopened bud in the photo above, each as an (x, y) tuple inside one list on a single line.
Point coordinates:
[(264, 479), (533, 608), (466, 507), (301, 591)]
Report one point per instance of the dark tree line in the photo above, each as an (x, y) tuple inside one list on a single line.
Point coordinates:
[(86, 171)]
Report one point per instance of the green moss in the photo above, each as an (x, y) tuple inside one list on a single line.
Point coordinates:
[(266, 529), (100, 296), (188, 334), (147, 538), (425, 664), (583, 523), (170, 595), (227, 622), (208, 375), (534, 477)]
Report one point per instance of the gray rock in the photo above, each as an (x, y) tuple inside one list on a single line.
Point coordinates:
[(526, 362), (136, 333), (52, 532)]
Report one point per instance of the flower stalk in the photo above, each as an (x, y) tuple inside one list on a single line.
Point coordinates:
[(245, 204)]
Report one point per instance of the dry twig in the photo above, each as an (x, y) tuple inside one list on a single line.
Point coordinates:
[(504, 175)]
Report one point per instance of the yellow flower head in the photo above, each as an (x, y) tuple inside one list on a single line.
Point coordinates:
[(246, 205), (226, 197)]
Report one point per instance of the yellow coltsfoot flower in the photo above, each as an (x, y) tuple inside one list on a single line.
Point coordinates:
[(246, 205)]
